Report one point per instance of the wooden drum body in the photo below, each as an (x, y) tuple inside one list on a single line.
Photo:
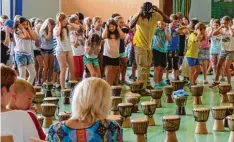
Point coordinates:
[(38, 100), (229, 111), (223, 89), (201, 115), (116, 118), (168, 90), (72, 83), (180, 103), (48, 86), (64, 116), (148, 109), (156, 95), (139, 127), (48, 111), (134, 101), (219, 113), (66, 95), (177, 85), (116, 90), (136, 87), (231, 127), (37, 88), (197, 91), (171, 124), (230, 96), (115, 101), (125, 110)]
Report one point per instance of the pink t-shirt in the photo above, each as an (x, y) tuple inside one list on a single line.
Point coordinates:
[(204, 44)]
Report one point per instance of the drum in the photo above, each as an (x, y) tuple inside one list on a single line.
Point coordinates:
[(130, 94), (116, 118), (168, 90), (37, 88), (180, 102), (64, 116), (223, 89), (201, 115), (230, 96), (156, 95), (229, 111), (231, 127), (38, 100), (66, 95), (148, 109), (40, 119), (134, 101), (116, 90), (48, 111), (72, 83), (177, 84), (47, 87), (115, 101), (51, 100), (136, 87), (197, 91), (125, 110), (139, 127), (219, 113), (171, 124)]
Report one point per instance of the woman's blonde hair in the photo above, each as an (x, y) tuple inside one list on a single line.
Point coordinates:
[(61, 17), (45, 24), (95, 19), (21, 85), (91, 100)]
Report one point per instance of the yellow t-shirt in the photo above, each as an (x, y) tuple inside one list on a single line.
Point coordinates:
[(193, 46), (145, 31)]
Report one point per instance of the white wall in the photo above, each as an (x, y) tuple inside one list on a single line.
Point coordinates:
[(6, 7), (201, 9), (41, 8)]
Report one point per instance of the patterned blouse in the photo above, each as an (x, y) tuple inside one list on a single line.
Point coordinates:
[(100, 131)]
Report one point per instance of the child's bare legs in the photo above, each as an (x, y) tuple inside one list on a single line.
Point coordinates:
[(204, 68), (134, 67), (94, 71), (50, 67), (123, 68), (193, 73), (157, 74), (62, 60), (110, 75), (176, 74), (100, 57), (228, 63), (39, 69), (219, 69)]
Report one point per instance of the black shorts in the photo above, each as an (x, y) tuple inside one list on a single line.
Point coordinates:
[(37, 53), (159, 58), (110, 61), (47, 51), (172, 60)]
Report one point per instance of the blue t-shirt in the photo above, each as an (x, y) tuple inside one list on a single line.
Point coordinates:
[(159, 37), (173, 45), (215, 45)]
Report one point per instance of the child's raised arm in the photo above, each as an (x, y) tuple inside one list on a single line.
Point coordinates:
[(105, 33), (216, 32), (121, 33)]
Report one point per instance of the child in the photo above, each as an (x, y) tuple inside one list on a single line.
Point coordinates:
[(77, 40), (192, 52), (92, 49), (23, 49), (227, 51), (159, 53), (112, 35)]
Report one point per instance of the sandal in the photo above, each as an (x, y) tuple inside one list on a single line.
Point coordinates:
[(214, 84)]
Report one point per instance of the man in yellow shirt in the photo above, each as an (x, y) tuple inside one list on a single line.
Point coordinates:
[(146, 22)]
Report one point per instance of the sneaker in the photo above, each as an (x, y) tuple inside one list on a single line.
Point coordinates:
[(163, 84), (158, 86), (205, 82)]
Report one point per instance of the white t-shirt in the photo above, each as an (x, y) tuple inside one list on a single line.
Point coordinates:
[(45, 43), (227, 41), (64, 45), (92, 31), (79, 50), (93, 55), (111, 48), (22, 45), (18, 124)]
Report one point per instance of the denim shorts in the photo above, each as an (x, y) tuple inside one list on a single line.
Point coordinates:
[(229, 55), (192, 61), (23, 59), (93, 61), (56, 65)]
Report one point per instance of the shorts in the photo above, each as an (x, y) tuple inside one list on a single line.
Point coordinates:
[(193, 61), (56, 65), (47, 51), (226, 55), (79, 65), (37, 53), (23, 59), (93, 61), (172, 60), (123, 55), (159, 58), (204, 54), (111, 61)]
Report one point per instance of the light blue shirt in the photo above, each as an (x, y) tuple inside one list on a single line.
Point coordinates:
[(159, 37)]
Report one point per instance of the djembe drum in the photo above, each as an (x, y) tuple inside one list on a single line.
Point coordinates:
[(139, 127), (171, 124), (48, 86), (64, 116), (38, 100), (229, 111), (37, 88), (134, 101), (40, 119), (197, 91), (219, 113), (156, 95), (116, 118), (136, 87), (125, 110), (201, 115), (180, 102), (66, 95), (51, 100), (177, 84), (168, 90), (72, 84), (230, 96), (114, 107), (148, 109), (231, 127), (116, 90), (48, 111), (223, 89), (130, 94)]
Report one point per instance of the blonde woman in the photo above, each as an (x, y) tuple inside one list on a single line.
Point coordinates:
[(90, 106)]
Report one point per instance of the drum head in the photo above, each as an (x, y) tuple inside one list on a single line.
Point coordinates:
[(73, 81), (116, 87), (125, 104), (224, 85), (115, 97), (65, 113), (230, 93), (139, 120), (196, 86), (168, 87), (156, 90), (148, 103), (45, 105), (40, 93), (218, 107), (201, 109), (114, 117), (50, 99), (171, 117)]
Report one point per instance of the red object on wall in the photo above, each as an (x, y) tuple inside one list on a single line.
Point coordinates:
[(168, 7)]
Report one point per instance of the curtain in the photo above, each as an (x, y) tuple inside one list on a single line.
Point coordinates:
[(168, 7), (182, 6)]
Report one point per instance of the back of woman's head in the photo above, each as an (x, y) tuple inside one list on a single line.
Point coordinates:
[(8, 76), (91, 100)]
